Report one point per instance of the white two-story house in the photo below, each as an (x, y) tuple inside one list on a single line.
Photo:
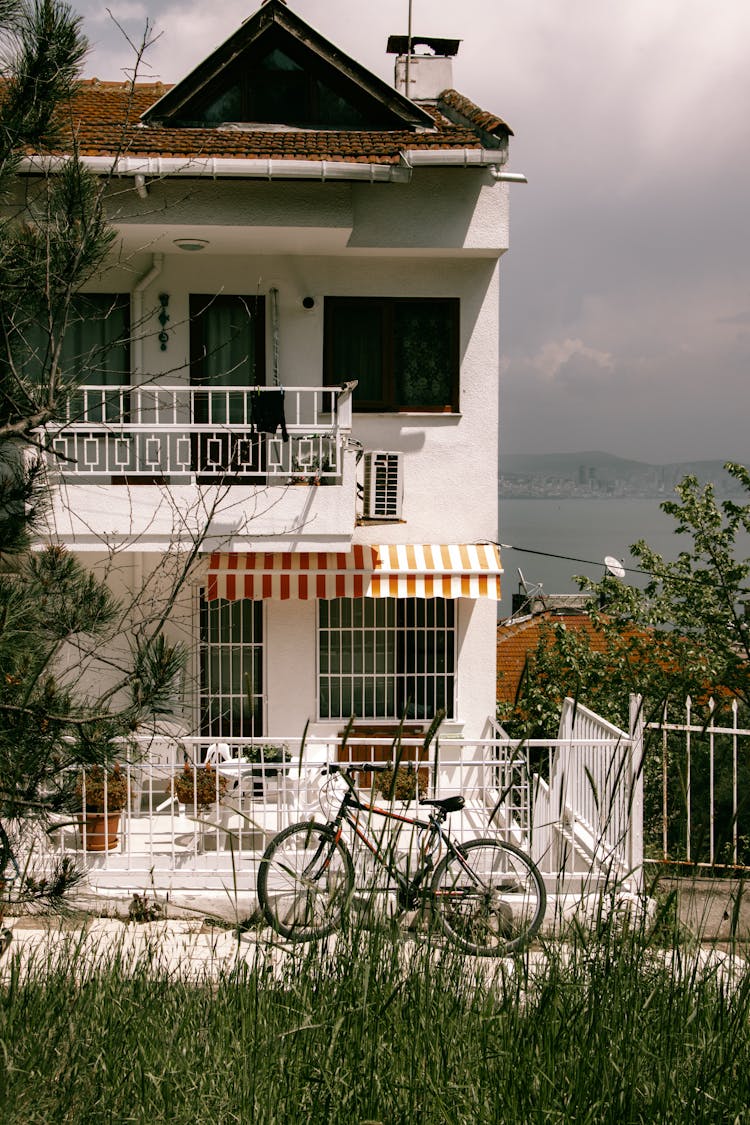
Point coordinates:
[(288, 433)]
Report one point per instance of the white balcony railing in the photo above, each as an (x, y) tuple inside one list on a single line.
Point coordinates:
[(167, 839), (185, 432)]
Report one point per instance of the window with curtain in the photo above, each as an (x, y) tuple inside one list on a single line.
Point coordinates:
[(95, 352), (386, 658), (227, 358), (403, 351), (227, 349)]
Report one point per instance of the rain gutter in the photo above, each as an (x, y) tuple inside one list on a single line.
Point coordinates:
[(156, 167)]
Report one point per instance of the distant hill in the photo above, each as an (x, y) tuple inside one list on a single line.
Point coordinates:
[(593, 473)]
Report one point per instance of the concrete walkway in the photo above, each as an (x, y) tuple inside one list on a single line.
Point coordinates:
[(199, 936), (203, 936), (201, 953)]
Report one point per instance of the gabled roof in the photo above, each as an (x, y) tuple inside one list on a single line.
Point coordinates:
[(148, 128), (275, 26), (105, 120)]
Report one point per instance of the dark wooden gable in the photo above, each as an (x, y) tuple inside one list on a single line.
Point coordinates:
[(276, 70)]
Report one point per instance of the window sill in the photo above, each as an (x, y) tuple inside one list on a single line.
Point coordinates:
[(435, 415)]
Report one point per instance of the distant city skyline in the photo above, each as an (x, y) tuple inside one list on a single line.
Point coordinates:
[(626, 293), (594, 474)]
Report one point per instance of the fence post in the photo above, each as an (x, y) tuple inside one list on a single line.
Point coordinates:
[(635, 796)]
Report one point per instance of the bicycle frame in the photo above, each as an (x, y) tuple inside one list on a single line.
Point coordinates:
[(487, 896), (352, 803)]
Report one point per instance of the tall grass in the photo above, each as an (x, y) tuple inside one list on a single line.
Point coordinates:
[(602, 1027)]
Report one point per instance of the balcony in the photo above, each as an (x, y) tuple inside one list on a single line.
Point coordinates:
[(181, 433), (193, 445)]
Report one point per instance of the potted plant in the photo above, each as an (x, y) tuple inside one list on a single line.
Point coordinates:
[(268, 761), (102, 795), (309, 472), (198, 787), (267, 758), (403, 787)]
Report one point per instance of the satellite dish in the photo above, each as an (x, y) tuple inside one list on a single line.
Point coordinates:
[(522, 582), (614, 567)]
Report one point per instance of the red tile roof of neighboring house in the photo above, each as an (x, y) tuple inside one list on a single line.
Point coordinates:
[(516, 639), (104, 118)]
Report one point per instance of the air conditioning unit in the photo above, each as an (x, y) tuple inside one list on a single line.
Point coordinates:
[(383, 485)]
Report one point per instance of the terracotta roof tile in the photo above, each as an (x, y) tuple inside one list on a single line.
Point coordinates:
[(473, 115), (105, 118), (516, 639)]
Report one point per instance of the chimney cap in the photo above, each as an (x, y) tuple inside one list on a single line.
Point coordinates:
[(399, 45)]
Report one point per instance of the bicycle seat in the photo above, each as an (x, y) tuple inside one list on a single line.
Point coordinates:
[(447, 804)]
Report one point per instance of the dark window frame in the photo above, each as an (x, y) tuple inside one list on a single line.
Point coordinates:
[(391, 398), (305, 110)]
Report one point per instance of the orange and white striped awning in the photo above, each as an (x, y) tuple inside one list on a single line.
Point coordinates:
[(393, 570)]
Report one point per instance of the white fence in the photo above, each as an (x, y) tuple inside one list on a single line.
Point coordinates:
[(698, 786), (537, 794)]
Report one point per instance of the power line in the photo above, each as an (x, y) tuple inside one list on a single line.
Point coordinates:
[(599, 562), (568, 558)]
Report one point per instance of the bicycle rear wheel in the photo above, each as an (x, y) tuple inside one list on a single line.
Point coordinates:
[(490, 898), (305, 882)]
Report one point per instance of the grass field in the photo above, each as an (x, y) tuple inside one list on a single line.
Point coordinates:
[(607, 1026)]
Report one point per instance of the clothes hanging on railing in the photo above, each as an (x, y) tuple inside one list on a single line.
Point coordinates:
[(267, 407), (267, 411)]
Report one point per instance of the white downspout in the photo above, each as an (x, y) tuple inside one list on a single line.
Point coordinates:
[(497, 173), (136, 311)]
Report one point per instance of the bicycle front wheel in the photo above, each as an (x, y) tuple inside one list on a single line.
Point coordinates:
[(488, 897), (305, 882)]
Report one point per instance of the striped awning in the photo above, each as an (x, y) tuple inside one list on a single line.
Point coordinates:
[(403, 570)]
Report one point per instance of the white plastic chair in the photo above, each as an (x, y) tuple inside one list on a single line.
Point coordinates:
[(219, 752)]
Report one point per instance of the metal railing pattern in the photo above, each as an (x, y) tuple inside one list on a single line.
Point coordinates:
[(588, 808), (163, 830), (699, 796), (183, 431)]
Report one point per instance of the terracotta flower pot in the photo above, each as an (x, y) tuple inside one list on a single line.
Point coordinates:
[(102, 830)]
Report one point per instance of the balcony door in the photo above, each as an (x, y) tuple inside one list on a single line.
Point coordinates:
[(227, 358)]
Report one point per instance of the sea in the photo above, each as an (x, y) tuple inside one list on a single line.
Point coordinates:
[(548, 541)]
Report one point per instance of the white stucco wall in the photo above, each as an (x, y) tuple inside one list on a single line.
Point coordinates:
[(440, 235), (450, 459)]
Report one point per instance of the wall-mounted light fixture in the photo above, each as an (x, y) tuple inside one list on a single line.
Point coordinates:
[(191, 244), (163, 319)]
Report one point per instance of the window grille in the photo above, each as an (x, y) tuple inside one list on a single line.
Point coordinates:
[(231, 668), (385, 658)]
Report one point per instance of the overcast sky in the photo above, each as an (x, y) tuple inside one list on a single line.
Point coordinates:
[(626, 291)]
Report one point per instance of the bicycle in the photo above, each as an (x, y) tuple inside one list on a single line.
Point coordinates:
[(487, 895)]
